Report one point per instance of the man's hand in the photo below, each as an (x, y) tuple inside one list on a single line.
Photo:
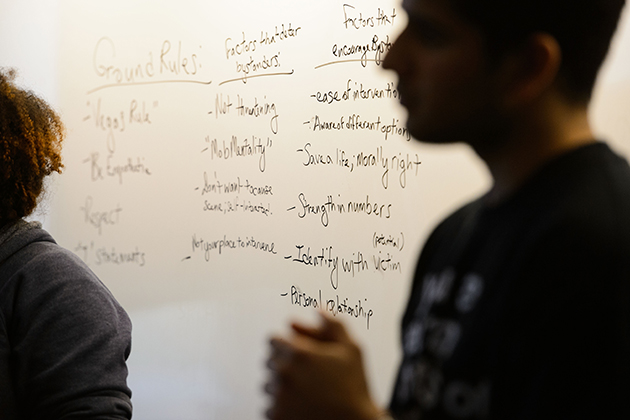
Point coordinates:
[(317, 373)]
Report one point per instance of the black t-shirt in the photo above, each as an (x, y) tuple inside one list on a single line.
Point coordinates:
[(522, 311)]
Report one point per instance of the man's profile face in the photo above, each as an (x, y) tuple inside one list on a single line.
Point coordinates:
[(445, 81)]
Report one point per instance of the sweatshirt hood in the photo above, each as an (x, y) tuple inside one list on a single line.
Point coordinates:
[(16, 235)]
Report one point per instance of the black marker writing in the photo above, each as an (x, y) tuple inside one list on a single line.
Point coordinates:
[(336, 306), (229, 244), (98, 219), (113, 169), (237, 186), (382, 240), (240, 149), (323, 210), (356, 122), (352, 21), (377, 46), (356, 91)]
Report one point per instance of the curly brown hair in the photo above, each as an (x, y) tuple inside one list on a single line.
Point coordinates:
[(31, 134)]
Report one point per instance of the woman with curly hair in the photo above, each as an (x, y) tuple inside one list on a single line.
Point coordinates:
[(64, 340)]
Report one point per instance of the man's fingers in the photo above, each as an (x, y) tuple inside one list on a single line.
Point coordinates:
[(272, 386), (313, 332), (282, 353), (333, 330), (329, 330), (271, 413)]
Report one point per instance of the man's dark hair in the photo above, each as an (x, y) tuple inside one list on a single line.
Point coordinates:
[(31, 133), (583, 28)]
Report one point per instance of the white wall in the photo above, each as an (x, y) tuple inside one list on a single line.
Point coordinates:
[(29, 43)]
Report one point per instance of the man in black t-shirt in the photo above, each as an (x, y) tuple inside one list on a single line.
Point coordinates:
[(520, 309), (520, 306)]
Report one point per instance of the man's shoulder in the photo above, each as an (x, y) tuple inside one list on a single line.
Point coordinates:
[(592, 196), (464, 215), (584, 193)]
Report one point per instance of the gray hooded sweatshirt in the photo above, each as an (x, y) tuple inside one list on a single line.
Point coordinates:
[(64, 340)]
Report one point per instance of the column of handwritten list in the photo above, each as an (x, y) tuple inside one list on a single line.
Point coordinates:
[(354, 138)]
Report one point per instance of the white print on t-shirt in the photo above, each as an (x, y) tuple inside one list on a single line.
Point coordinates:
[(463, 401), (424, 383), (421, 382), (435, 289), (442, 337), (469, 293), (422, 379), (404, 391), (428, 382), (414, 338)]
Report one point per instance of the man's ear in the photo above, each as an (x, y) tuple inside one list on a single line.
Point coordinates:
[(531, 70)]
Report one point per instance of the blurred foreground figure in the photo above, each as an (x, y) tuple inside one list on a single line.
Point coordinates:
[(64, 340), (520, 305)]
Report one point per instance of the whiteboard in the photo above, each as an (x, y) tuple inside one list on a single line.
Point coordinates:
[(234, 165), (231, 165)]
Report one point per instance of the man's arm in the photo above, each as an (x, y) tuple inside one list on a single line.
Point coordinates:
[(317, 373)]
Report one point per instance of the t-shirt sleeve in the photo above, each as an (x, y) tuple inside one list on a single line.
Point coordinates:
[(70, 343)]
